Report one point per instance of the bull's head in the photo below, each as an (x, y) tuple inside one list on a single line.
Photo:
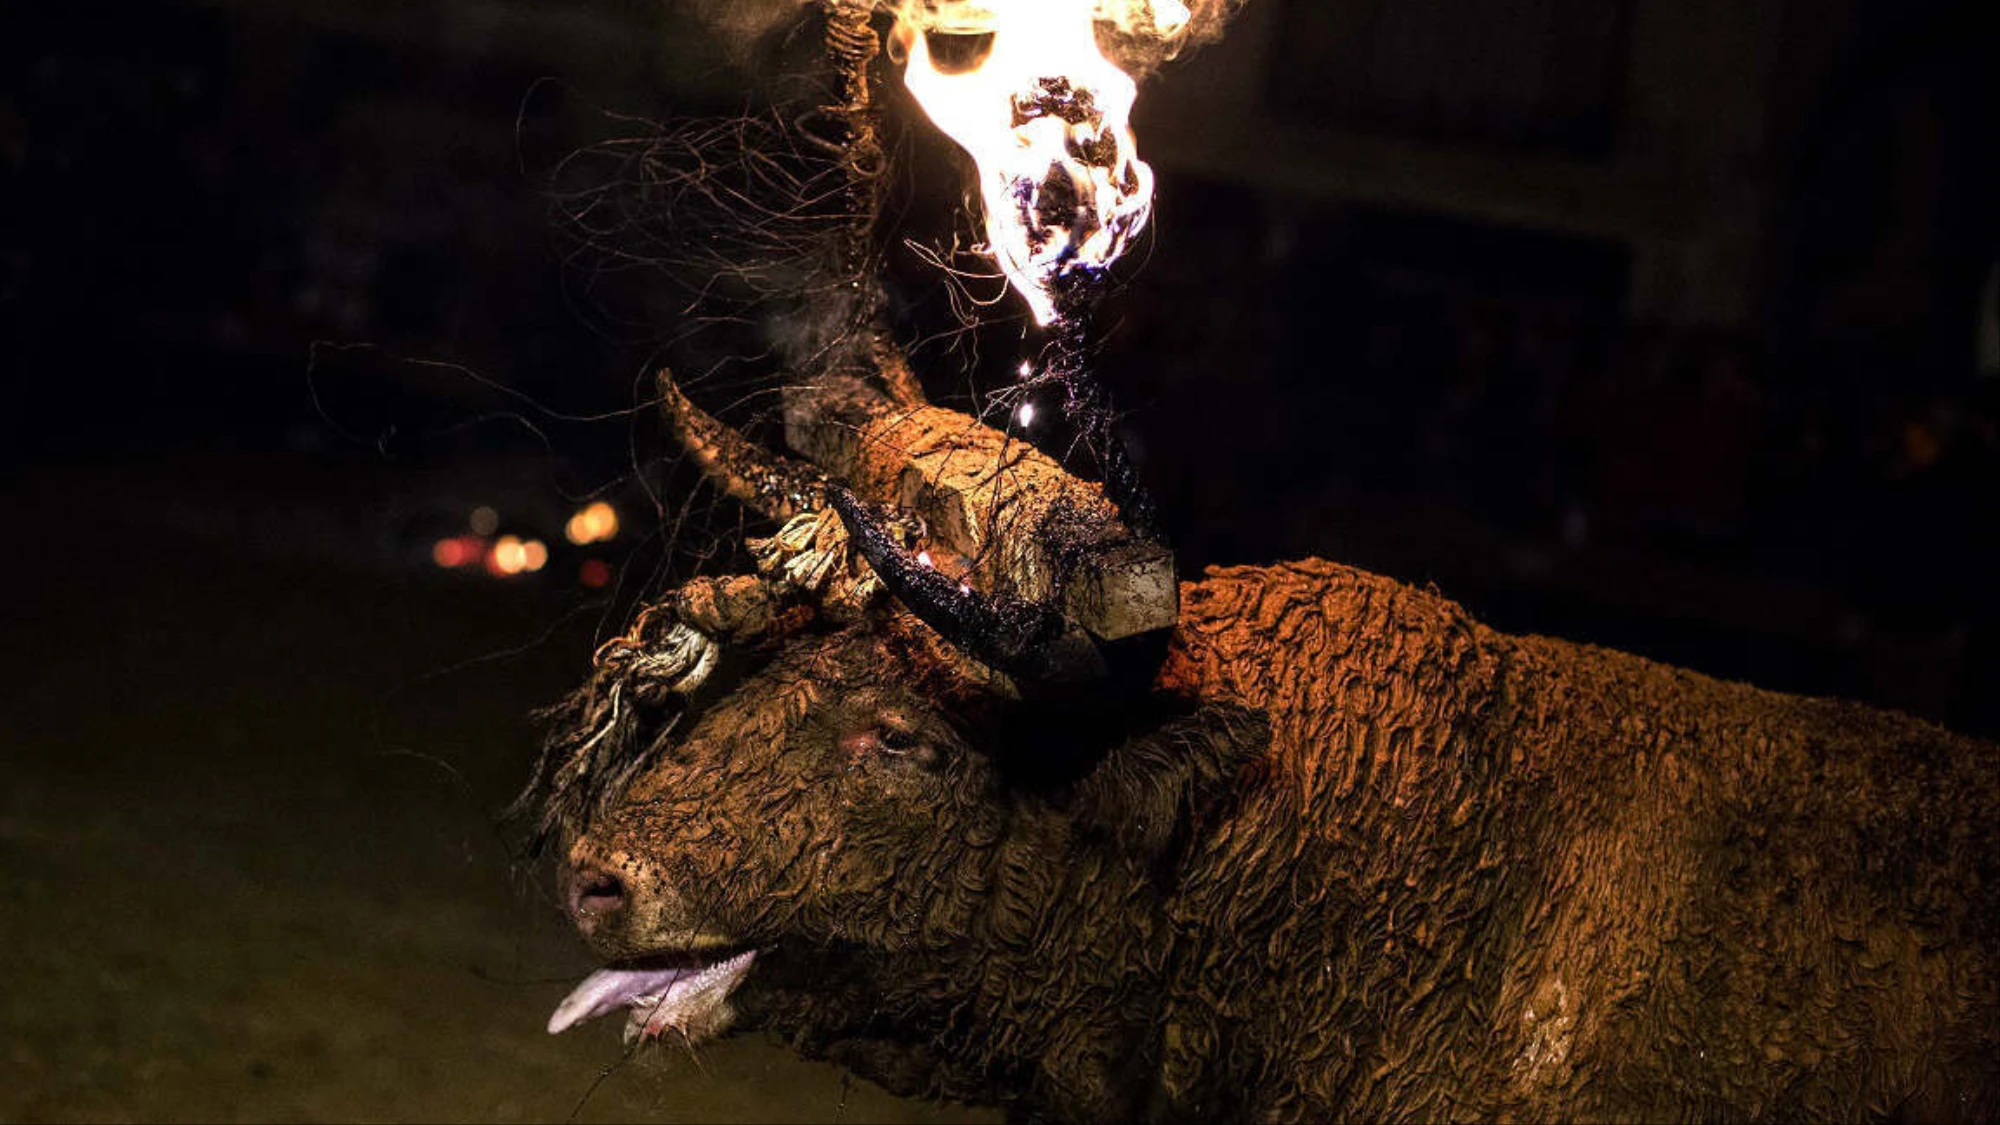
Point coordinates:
[(856, 759)]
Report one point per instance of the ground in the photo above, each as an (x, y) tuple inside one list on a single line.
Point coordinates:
[(247, 863)]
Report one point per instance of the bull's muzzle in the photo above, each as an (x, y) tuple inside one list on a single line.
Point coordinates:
[(594, 897)]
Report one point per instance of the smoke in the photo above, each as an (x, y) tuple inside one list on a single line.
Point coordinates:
[(1138, 35), (743, 24), (1131, 32)]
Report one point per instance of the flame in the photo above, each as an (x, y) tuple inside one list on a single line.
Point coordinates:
[(1045, 117)]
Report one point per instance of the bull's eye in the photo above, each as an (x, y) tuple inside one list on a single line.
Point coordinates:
[(900, 738), (887, 733), (890, 737)]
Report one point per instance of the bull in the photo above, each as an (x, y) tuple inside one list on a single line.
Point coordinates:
[(1346, 853)]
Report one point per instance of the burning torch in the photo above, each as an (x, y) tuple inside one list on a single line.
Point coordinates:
[(1045, 116)]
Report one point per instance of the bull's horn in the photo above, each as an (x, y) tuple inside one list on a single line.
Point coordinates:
[(1030, 641), (774, 486)]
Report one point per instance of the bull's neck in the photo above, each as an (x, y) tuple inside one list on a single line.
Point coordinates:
[(1065, 970)]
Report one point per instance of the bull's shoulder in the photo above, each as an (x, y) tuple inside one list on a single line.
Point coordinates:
[(1254, 634), (1347, 665)]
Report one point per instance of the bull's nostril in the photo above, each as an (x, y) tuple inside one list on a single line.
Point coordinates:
[(594, 894)]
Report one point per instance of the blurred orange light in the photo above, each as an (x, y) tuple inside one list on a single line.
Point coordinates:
[(593, 524), (450, 553), (534, 555), (510, 556)]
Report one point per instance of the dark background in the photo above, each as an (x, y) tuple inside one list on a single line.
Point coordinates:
[(1645, 323)]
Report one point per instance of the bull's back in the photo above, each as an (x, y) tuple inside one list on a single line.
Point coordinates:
[(1777, 907), (1717, 901)]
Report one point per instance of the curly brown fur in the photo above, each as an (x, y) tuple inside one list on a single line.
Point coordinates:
[(1360, 857)]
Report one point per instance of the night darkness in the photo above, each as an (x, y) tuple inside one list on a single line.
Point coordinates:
[(1669, 327)]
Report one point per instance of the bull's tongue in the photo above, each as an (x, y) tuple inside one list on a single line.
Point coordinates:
[(660, 994), (606, 989)]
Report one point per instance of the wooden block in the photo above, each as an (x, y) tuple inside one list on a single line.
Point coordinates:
[(1009, 510)]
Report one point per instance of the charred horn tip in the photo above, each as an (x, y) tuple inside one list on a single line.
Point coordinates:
[(1030, 641)]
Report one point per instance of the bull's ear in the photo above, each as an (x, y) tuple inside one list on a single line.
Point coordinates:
[(1153, 792)]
